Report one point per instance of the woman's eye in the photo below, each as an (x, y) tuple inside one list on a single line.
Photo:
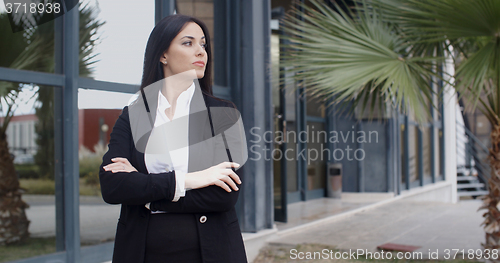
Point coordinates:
[(187, 43), (204, 45)]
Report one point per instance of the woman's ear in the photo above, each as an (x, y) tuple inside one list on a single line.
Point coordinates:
[(164, 58)]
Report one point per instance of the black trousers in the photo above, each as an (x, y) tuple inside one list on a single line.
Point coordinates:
[(172, 238)]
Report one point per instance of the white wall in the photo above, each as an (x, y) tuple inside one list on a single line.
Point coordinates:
[(450, 137)]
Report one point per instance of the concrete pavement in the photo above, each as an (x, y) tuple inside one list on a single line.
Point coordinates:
[(432, 226)]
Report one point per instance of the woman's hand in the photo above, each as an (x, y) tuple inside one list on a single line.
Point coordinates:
[(120, 165), (219, 175)]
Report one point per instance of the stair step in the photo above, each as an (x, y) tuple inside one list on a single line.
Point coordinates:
[(466, 178), (471, 185), (472, 193)]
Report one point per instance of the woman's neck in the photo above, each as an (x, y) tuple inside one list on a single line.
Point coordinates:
[(172, 89), (175, 85)]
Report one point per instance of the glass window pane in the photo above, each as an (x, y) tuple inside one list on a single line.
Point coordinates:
[(439, 153), (30, 49), (30, 142), (316, 172), (413, 153), (98, 99), (201, 9), (291, 157), (437, 149), (122, 39), (426, 146), (204, 10), (402, 155), (97, 114), (315, 106)]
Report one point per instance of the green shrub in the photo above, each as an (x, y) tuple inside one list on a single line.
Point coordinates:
[(27, 171), (89, 189), (89, 165), (92, 178), (47, 187), (90, 161), (38, 186)]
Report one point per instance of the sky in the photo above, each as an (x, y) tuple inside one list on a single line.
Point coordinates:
[(120, 52)]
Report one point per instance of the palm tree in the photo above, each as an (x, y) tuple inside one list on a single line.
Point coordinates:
[(31, 50), (387, 53), (44, 128), (13, 221)]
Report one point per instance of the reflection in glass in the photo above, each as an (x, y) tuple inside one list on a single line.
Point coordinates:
[(201, 9), (22, 165), (277, 156), (316, 172), (122, 39), (32, 49), (315, 106), (97, 118), (413, 153), (204, 10), (291, 157), (426, 147), (439, 154), (402, 155)]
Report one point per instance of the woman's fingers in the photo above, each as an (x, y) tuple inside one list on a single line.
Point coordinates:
[(230, 182), (114, 166), (229, 165), (222, 185), (232, 175), (120, 159), (230, 172), (119, 165), (116, 170), (117, 161), (219, 175)]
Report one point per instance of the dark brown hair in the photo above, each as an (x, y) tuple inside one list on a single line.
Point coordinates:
[(159, 42)]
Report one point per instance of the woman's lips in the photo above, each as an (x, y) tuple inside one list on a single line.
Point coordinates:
[(199, 63)]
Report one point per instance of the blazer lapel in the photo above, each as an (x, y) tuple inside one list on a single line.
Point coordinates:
[(200, 133), (141, 121)]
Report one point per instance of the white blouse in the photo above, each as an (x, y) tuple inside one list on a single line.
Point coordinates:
[(177, 159)]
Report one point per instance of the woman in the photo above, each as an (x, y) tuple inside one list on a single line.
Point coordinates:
[(178, 203)]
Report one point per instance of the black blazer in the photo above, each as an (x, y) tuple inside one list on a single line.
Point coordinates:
[(220, 235)]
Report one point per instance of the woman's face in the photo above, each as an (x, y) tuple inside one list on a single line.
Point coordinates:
[(186, 52)]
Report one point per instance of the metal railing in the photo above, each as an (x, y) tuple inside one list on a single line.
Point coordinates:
[(475, 155)]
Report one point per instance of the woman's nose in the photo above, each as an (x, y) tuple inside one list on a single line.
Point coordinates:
[(200, 51)]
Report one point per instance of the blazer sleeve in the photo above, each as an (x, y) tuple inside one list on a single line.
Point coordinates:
[(132, 188), (213, 198), (208, 199)]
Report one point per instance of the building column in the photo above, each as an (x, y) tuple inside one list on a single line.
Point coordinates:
[(252, 94)]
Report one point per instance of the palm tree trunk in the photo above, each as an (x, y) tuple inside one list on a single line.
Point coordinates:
[(492, 200), (13, 221)]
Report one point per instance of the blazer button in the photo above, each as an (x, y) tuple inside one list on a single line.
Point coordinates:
[(203, 219)]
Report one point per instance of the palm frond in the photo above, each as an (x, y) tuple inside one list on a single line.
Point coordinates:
[(472, 27), (346, 55)]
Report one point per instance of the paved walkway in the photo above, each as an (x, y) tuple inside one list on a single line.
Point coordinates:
[(431, 226)]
